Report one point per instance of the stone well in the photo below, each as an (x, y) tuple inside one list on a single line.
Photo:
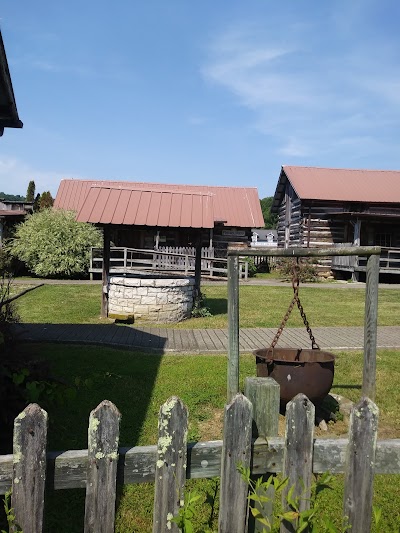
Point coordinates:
[(155, 298)]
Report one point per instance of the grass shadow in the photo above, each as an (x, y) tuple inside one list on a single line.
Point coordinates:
[(217, 306), (77, 357)]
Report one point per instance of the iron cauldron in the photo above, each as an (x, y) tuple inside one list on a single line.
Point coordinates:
[(309, 371)]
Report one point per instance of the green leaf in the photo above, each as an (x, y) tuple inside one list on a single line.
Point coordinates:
[(289, 515)]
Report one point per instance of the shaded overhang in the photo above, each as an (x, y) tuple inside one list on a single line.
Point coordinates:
[(8, 109), (143, 207), (351, 215), (9, 213)]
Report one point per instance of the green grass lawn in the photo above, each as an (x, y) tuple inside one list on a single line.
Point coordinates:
[(260, 306), (139, 383)]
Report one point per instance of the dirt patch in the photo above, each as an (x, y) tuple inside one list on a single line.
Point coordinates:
[(211, 428)]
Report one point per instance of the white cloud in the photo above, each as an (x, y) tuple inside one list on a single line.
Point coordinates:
[(310, 102)]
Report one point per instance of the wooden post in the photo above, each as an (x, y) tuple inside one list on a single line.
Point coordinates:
[(197, 268), (264, 394), (29, 469), (103, 438), (171, 465), (106, 271), (233, 327), (370, 326), (360, 465), (236, 449), (297, 458)]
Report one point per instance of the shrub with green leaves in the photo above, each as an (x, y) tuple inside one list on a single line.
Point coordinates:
[(53, 244)]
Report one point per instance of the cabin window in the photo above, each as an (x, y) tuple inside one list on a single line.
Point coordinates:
[(383, 239)]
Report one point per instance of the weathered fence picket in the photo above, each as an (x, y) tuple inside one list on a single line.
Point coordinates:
[(297, 459), (101, 484), (29, 468), (171, 464), (99, 468), (360, 465), (236, 450)]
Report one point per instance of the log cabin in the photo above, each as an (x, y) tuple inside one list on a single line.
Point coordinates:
[(322, 207)]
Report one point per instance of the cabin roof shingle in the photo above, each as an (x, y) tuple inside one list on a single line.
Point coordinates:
[(339, 184)]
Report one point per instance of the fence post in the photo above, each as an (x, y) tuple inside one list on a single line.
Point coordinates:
[(264, 394), (236, 450), (171, 464), (103, 438), (370, 326), (29, 469), (360, 464), (297, 457), (233, 327)]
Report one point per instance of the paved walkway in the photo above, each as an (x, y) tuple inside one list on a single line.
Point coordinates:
[(201, 340)]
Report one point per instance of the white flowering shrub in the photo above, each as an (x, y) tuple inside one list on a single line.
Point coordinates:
[(53, 244)]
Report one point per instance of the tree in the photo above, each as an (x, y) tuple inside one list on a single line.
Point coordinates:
[(53, 244), (15, 197), (30, 193), (270, 220), (45, 200)]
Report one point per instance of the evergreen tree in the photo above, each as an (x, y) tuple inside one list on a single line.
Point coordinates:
[(269, 219), (30, 193), (46, 200)]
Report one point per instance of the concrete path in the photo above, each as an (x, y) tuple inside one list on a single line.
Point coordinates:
[(200, 340)]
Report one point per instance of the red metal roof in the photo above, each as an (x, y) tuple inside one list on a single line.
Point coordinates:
[(141, 207), (347, 185), (156, 204)]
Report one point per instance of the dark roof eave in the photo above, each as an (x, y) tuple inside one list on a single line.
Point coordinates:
[(10, 118)]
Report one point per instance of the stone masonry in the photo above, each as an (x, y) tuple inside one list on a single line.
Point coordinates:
[(153, 299)]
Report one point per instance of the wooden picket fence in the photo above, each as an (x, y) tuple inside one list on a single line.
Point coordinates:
[(249, 438)]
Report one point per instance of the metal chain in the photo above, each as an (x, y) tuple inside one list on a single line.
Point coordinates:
[(295, 300)]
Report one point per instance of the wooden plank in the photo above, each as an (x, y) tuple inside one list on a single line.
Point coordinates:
[(304, 252), (105, 270), (29, 469), (103, 438), (297, 460), (233, 327), (68, 470), (236, 450), (171, 464), (370, 327), (359, 476), (264, 394)]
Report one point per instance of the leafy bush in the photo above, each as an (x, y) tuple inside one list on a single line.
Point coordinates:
[(308, 270), (53, 244), (199, 307), (252, 269)]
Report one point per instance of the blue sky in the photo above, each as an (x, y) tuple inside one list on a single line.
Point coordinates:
[(219, 93)]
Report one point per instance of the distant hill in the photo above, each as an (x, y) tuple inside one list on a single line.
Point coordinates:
[(16, 197)]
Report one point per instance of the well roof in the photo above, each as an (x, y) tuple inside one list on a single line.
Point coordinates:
[(157, 204)]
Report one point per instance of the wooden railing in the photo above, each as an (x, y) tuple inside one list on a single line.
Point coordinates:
[(168, 464), (389, 261), (173, 259)]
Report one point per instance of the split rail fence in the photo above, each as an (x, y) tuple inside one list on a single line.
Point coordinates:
[(165, 259), (249, 438)]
